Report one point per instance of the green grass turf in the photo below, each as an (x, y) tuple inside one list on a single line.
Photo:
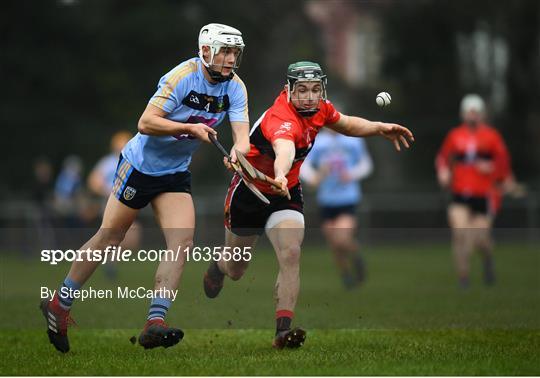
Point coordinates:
[(409, 319), (247, 352)]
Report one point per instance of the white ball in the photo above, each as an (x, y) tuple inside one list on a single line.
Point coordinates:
[(383, 99)]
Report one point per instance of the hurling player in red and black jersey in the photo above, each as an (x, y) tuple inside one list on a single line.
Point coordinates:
[(280, 141), (474, 164)]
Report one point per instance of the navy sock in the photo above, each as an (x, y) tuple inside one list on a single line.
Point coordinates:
[(283, 320), (66, 293), (489, 273), (360, 267), (158, 308)]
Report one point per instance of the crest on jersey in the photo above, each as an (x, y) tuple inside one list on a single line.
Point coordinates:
[(129, 193)]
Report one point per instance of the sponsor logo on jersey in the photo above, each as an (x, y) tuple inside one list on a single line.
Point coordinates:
[(286, 126), (209, 104), (194, 99)]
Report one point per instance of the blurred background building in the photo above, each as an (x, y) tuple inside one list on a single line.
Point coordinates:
[(76, 71)]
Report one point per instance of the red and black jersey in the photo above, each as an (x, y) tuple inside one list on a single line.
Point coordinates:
[(282, 121), (465, 146)]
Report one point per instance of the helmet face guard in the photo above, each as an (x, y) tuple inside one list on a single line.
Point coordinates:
[(302, 72), (216, 70), (221, 39)]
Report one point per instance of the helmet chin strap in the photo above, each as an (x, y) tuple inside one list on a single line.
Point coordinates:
[(308, 112), (217, 76)]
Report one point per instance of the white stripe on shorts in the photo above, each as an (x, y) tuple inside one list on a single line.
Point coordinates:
[(279, 216)]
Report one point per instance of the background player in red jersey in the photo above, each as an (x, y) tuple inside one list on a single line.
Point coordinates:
[(473, 163), (280, 141)]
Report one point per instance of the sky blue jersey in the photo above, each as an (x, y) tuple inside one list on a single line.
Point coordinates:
[(186, 95), (340, 154), (106, 167)]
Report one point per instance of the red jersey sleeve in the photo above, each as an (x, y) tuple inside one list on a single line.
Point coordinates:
[(332, 115), (277, 128), (443, 156), (502, 158)]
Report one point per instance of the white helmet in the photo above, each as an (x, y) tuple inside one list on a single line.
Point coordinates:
[(217, 36), (472, 102)]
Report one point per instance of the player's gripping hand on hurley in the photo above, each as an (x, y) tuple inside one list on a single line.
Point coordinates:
[(241, 148), (201, 131), (283, 190)]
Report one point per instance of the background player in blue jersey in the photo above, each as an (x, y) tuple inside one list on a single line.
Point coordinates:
[(101, 178), (335, 165), (100, 182), (191, 100)]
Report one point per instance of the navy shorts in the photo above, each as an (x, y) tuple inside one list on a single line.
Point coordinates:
[(246, 215), (332, 212), (478, 205), (135, 189)]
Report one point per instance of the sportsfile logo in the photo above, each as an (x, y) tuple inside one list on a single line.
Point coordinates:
[(118, 254)]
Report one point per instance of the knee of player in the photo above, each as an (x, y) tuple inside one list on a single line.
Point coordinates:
[(186, 244), (109, 237), (343, 243), (181, 250), (181, 245), (484, 239), (460, 233), (291, 255), (160, 279)]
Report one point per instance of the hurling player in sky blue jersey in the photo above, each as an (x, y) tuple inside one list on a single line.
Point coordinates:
[(191, 100), (100, 182), (335, 165)]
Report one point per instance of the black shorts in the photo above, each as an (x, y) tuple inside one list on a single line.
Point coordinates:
[(135, 189), (246, 215), (332, 212), (478, 205)]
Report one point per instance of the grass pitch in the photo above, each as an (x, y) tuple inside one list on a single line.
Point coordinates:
[(409, 319)]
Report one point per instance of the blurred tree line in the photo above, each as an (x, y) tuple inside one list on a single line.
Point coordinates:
[(73, 72)]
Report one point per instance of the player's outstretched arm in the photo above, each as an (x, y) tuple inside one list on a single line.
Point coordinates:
[(240, 134), (153, 122), (360, 127), (285, 151)]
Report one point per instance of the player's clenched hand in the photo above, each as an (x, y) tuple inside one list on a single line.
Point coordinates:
[(233, 160), (444, 176), (397, 134), (242, 147), (282, 190), (201, 131)]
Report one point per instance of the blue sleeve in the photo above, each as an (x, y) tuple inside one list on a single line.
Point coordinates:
[(359, 150), (314, 155), (238, 110), (172, 88), (102, 165)]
